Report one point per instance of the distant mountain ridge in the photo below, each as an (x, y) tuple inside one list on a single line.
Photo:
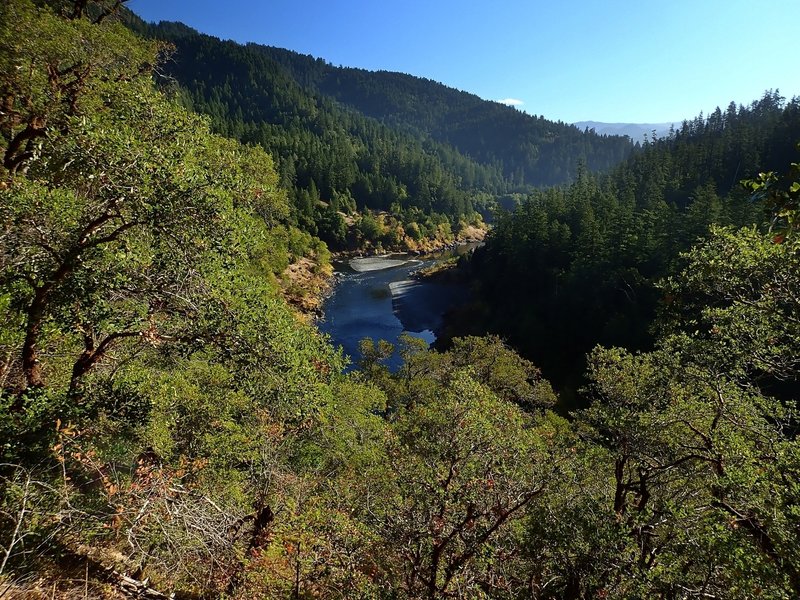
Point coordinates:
[(531, 149), (256, 86), (635, 131)]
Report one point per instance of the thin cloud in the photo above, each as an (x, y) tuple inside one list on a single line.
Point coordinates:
[(511, 102)]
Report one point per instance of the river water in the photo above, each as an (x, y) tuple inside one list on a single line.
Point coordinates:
[(377, 298)]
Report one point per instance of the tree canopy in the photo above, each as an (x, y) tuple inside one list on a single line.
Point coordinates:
[(169, 425)]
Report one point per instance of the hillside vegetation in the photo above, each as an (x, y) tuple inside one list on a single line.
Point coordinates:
[(168, 425), (348, 139), (579, 265)]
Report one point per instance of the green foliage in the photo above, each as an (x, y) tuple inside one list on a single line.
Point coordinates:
[(735, 296), (692, 455), (508, 375), (698, 444), (165, 415), (373, 140), (369, 228), (576, 266), (530, 150), (57, 74), (463, 466), (150, 371), (781, 199)]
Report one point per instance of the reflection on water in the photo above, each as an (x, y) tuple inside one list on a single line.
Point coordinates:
[(377, 298)]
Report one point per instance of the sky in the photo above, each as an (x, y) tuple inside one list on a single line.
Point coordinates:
[(631, 61)]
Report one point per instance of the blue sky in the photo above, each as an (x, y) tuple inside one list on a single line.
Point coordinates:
[(642, 61)]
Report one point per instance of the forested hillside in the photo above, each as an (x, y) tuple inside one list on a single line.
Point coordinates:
[(531, 150), (170, 428), (384, 141), (579, 265)]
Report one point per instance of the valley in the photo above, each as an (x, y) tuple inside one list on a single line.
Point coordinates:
[(223, 265)]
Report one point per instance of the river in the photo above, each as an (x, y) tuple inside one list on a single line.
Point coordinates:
[(377, 298)]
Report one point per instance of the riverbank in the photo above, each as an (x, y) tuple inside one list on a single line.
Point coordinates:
[(442, 271), (306, 283), (468, 235)]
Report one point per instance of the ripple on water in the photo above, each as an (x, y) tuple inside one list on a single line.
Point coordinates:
[(399, 289), (376, 263)]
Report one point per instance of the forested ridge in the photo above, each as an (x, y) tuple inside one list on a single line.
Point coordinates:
[(530, 150), (383, 141), (169, 426), (579, 265)]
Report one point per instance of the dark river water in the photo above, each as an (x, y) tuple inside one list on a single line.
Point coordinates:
[(377, 298)]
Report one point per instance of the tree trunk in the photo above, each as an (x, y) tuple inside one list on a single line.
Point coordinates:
[(31, 367)]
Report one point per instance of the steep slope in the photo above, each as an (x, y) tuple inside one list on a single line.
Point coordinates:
[(576, 266), (169, 429), (380, 140), (531, 150)]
